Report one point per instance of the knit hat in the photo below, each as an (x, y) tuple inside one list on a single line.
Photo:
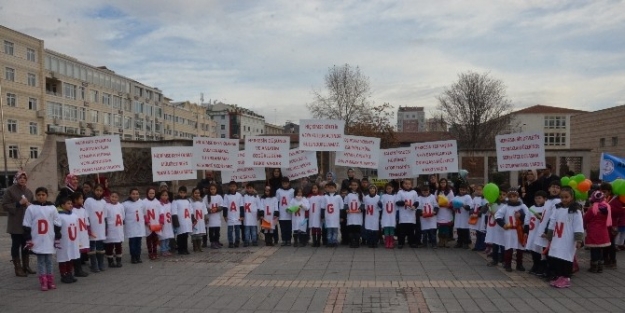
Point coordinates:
[(597, 196)]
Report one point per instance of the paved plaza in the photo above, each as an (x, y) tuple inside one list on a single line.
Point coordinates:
[(287, 279)]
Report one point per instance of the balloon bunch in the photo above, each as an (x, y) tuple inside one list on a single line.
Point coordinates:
[(618, 188), (580, 184)]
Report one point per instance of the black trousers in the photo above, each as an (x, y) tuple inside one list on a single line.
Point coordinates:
[(405, 230), (353, 232), (286, 230), (213, 234), (561, 267), (182, 240), (344, 232), (18, 242)]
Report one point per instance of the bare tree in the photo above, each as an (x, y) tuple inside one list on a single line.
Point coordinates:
[(476, 109), (347, 97)]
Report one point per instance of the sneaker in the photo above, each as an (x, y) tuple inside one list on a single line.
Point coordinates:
[(564, 282), (554, 282)]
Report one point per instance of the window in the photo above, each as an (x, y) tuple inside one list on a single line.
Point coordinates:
[(614, 141), (223, 127), (81, 93), (106, 118), (106, 99), (32, 104), (127, 122), (93, 116), (138, 124), (30, 55), (117, 121), (117, 102), (70, 113), (223, 117), (34, 152), (8, 47), (32, 80), (138, 91), (12, 126), (602, 142), (555, 122), (14, 152), (11, 99), (223, 135), (9, 74), (55, 110), (70, 90), (33, 128), (93, 96), (81, 114), (555, 139), (138, 107)]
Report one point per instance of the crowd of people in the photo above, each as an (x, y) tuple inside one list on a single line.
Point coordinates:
[(88, 224)]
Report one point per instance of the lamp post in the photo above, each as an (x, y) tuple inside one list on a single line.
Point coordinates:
[(4, 145)]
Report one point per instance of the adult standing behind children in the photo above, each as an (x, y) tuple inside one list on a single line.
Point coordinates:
[(209, 179), (529, 188), (71, 186), (350, 177), (547, 177), (617, 212), (15, 201)]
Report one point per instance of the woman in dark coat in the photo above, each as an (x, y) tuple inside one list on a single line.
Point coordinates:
[(15, 201), (71, 186)]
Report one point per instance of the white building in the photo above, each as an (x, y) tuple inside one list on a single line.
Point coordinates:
[(410, 119), (234, 121), (554, 121)]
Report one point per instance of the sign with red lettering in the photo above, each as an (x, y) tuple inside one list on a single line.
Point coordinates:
[(267, 151), (301, 164), (243, 174), (521, 151), (362, 152), (91, 155), (172, 163), (396, 163), (321, 135), (435, 157), (217, 154)]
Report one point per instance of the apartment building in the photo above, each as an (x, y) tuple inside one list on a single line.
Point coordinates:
[(235, 122), (554, 121), (47, 91), (410, 119)]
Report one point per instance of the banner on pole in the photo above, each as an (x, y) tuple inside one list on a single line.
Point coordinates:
[(172, 163), (267, 151), (92, 155), (396, 163), (435, 157), (301, 164), (243, 174), (217, 154), (321, 135), (611, 167), (362, 152), (521, 151)]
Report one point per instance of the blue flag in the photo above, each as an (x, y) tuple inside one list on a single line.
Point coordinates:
[(611, 167)]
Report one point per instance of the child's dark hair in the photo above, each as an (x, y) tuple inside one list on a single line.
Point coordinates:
[(232, 182), (568, 190), (249, 185), (463, 186), (75, 196), (88, 184), (182, 188), (160, 194), (96, 186), (555, 183), (331, 184), (299, 190), (389, 185), (540, 193), (41, 189), (65, 200), (286, 179), (194, 189)]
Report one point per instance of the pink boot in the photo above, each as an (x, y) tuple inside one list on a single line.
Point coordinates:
[(50, 280), (43, 281)]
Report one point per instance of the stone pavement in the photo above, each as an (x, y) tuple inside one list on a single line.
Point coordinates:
[(265, 279)]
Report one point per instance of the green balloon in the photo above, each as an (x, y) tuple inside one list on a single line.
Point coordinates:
[(579, 178), (621, 190), (564, 181), (491, 192), (581, 195), (573, 184), (617, 186)]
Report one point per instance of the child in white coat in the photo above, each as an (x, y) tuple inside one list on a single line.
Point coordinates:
[(115, 230), (181, 218), (389, 216), (316, 200), (68, 250), (373, 207), (299, 222), (427, 210), (167, 231), (134, 224)]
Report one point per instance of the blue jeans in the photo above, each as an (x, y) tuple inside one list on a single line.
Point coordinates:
[(164, 245), (234, 231), (134, 245), (251, 234), (333, 235), (480, 238), (44, 264)]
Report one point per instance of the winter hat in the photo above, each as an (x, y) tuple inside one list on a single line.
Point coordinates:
[(597, 196)]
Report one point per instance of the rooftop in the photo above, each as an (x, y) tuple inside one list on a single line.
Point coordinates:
[(545, 109), (410, 109)]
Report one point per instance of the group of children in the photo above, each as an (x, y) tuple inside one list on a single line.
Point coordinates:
[(90, 229)]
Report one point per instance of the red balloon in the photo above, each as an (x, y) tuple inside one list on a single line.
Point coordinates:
[(584, 186)]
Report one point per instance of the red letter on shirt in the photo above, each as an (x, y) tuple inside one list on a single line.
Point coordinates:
[(42, 227)]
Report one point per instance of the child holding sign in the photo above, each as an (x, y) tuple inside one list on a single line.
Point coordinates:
[(115, 230)]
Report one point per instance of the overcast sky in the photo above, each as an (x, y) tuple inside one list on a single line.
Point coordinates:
[(269, 55)]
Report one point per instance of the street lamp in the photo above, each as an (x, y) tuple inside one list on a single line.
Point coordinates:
[(4, 145)]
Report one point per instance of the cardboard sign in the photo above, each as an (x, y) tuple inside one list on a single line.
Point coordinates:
[(521, 151), (217, 154), (362, 152), (92, 155), (321, 135), (267, 151), (243, 174), (396, 163), (172, 163), (435, 157), (301, 164)]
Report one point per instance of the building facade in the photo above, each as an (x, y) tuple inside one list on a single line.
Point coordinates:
[(235, 122), (46, 91), (410, 119), (600, 132), (271, 129), (554, 121)]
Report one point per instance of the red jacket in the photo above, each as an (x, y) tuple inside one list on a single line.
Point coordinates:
[(618, 213), (596, 224)]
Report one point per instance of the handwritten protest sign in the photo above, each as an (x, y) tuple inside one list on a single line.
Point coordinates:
[(435, 157), (301, 164), (267, 151), (172, 163), (521, 151), (217, 154), (243, 174), (91, 155), (321, 135), (363, 152), (396, 163)]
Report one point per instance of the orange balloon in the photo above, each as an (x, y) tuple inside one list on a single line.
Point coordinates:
[(622, 198), (584, 186)]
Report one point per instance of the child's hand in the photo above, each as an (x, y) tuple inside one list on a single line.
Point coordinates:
[(29, 245), (57, 244), (543, 236), (578, 244), (507, 226)]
